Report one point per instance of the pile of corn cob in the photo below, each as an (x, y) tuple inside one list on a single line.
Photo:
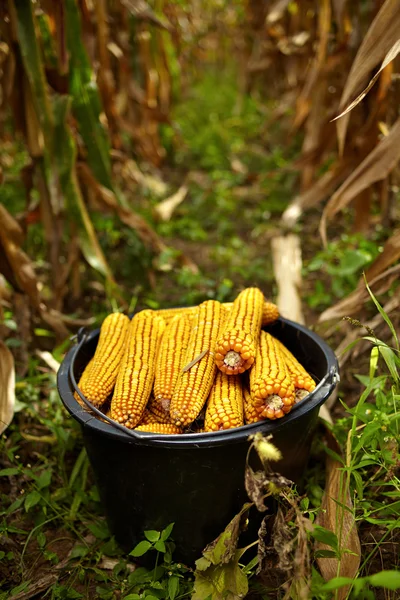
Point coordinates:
[(206, 368)]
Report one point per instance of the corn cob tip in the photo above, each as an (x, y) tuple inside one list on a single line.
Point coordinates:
[(272, 407)]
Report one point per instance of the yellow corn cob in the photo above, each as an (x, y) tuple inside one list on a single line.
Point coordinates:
[(170, 362), (166, 428), (271, 386), (270, 312), (303, 382), (135, 378), (101, 378), (236, 348), (148, 418), (169, 313), (81, 383), (225, 403), (194, 384), (250, 413)]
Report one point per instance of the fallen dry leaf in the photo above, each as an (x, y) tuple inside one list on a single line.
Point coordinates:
[(375, 167), (49, 359), (336, 515), (287, 265), (7, 387), (165, 209), (277, 11), (379, 40)]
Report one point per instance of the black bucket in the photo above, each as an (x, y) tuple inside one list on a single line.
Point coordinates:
[(194, 480)]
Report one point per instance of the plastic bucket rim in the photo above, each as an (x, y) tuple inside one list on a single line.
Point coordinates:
[(314, 400)]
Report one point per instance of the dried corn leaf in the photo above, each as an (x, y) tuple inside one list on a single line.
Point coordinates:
[(343, 352), (375, 167), (337, 515), (142, 10), (355, 301), (7, 387), (378, 42), (303, 102), (15, 265), (338, 7), (391, 55), (127, 216), (324, 186), (49, 359), (389, 255), (165, 209), (277, 11)]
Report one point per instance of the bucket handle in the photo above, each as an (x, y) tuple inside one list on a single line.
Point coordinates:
[(81, 337), (331, 378)]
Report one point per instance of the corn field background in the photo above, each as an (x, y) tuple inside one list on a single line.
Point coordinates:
[(160, 153)]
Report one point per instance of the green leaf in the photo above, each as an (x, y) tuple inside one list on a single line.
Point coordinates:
[(41, 539), (65, 158), (131, 597), (141, 548), (325, 536), (77, 467), (202, 564), (373, 362), (221, 582), (16, 504), (250, 565), (32, 499), (86, 101), (31, 56), (79, 551), (383, 314), (44, 479), (352, 261), (9, 471), (139, 576), (160, 546), (167, 532), (359, 484), (20, 588), (386, 579), (99, 530), (336, 583), (173, 587), (152, 535), (390, 360), (325, 554), (224, 547)]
